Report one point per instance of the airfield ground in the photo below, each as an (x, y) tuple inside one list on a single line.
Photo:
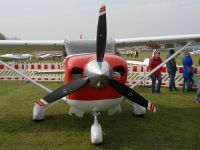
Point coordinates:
[(142, 56), (163, 55), (175, 125)]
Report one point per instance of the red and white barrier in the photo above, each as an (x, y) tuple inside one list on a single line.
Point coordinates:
[(29, 70), (34, 66), (135, 73)]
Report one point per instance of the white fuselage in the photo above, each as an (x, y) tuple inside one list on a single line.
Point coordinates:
[(84, 106)]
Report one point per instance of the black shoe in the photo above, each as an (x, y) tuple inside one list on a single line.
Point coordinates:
[(170, 90), (175, 89)]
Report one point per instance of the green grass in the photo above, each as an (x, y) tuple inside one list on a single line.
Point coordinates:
[(142, 56), (163, 55), (175, 125)]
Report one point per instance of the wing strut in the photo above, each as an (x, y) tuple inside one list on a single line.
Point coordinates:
[(31, 80), (26, 77)]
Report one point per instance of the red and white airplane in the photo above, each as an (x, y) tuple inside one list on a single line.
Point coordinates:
[(94, 76), (16, 56)]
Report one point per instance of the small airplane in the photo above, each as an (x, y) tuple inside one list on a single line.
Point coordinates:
[(144, 63), (95, 76), (195, 52), (17, 56), (46, 56), (3, 37)]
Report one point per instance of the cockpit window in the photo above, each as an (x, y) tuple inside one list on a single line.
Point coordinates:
[(86, 46)]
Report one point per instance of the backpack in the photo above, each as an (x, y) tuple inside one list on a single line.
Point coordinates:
[(190, 69)]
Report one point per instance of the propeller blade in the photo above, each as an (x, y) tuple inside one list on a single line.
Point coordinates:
[(101, 34), (131, 94), (66, 90)]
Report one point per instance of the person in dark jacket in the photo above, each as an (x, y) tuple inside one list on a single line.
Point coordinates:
[(154, 62), (187, 77), (171, 69)]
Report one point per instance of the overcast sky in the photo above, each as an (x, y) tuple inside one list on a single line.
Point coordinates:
[(57, 19)]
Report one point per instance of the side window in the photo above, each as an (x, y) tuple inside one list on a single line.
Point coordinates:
[(118, 72)]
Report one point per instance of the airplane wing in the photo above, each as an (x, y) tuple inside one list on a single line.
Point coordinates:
[(5, 56), (135, 62), (145, 62), (168, 41), (31, 45), (179, 40), (16, 56)]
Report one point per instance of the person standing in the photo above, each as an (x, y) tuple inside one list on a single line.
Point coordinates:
[(136, 54), (198, 94), (127, 53), (131, 53), (187, 77), (153, 63), (171, 69)]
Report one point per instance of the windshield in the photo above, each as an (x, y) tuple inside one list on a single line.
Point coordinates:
[(86, 46)]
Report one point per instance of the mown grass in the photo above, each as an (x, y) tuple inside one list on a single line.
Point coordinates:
[(175, 125), (142, 56), (163, 55)]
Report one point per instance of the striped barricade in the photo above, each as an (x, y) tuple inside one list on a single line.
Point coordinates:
[(30, 69), (135, 72)]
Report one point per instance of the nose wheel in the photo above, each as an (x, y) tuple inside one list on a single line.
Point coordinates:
[(96, 131)]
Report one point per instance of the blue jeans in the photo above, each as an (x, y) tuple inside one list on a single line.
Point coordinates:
[(153, 78), (191, 83), (171, 80), (198, 94), (186, 80)]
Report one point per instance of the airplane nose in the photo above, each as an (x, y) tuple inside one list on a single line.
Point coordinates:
[(97, 71)]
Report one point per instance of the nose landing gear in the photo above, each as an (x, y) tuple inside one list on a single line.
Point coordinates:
[(96, 131)]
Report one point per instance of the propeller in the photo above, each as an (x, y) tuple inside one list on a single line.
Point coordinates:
[(66, 89), (131, 94), (101, 34)]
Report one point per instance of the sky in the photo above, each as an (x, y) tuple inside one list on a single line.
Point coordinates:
[(60, 19)]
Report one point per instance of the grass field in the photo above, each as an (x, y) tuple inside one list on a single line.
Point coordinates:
[(175, 125), (163, 55), (142, 56)]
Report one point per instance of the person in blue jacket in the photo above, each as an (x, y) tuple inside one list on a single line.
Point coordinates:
[(187, 77)]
